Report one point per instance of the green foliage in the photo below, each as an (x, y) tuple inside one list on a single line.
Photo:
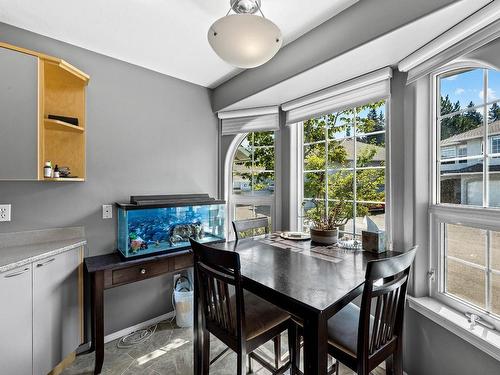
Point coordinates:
[(370, 182), (261, 165), (494, 113), (458, 123)]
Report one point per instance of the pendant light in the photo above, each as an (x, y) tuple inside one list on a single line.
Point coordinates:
[(245, 39)]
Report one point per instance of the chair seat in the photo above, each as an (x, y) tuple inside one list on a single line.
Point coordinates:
[(260, 315), (343, 329)]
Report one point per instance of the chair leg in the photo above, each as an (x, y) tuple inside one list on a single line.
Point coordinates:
[(294, 348), (397, 359), (277, 351), (241, 364), (206, 351), (250, 369)]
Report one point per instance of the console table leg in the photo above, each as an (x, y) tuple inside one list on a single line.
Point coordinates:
[(98, 319)]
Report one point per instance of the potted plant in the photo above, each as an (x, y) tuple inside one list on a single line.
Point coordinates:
[(326, 221)]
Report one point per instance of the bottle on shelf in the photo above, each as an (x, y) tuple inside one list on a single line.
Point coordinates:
[(56, 171), (47, 170)]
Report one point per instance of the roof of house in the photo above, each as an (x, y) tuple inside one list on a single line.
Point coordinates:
[(493, 129), (348, 145)]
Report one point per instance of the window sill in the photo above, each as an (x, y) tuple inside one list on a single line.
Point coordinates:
[(481, 337)]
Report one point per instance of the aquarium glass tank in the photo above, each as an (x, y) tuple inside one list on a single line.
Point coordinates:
[(159, 224)]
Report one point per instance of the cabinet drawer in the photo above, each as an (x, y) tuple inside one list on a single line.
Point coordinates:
[(140, 272), (183, 261)]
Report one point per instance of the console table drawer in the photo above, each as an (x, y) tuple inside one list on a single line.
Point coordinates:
[(183, 261), (140, 272)]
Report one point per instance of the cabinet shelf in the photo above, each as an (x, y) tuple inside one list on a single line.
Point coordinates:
[(57, 124), (64, 179)]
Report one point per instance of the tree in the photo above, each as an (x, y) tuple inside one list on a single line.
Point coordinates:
[(460, 122), (370, 183), (494, 113)]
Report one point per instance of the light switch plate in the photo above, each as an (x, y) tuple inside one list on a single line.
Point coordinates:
[(5, 212), (107, 211)]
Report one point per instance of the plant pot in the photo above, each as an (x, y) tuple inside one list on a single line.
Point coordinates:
[(325, 237)]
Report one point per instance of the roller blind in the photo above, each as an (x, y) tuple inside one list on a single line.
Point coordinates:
[(468, 35), (361, 90), (249, 120)]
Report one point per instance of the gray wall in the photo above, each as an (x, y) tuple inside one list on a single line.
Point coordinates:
[(146, 134), (432, 350)]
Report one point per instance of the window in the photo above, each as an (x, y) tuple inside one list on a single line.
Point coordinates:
[(448, 153), (469, 119), (466, 226), (462, 153), (344, 167), (253, 177), (495, 145)]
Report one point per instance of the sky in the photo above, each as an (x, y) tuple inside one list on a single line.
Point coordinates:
[(468, 86)]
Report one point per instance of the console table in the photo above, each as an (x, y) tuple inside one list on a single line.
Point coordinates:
[(110, 270)]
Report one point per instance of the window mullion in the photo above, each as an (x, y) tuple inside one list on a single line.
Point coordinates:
[(486, 150), (326, 172), (354, 177), (488, 271)]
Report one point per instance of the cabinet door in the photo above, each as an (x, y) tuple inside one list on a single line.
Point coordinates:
[(18, 116), (16, 321), (56, 310)]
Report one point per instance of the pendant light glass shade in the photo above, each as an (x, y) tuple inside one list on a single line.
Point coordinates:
[(245, 40)]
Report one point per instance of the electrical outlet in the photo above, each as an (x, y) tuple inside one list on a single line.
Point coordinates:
[(5, 212), (107, 211)]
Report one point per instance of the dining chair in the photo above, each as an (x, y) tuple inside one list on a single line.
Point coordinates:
[(238, 318), (363, 337), (242, 227), (360, 340)]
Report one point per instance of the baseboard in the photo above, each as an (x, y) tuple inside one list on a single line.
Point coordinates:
[(126, 331)]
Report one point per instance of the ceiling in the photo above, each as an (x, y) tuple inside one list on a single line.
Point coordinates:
[(166, 36)]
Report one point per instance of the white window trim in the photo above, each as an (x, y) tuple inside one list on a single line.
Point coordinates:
[(486, 218), (299, 128), (234, 199)]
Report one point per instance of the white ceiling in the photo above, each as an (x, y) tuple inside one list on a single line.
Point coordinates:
[(167, 36), (384, 51)]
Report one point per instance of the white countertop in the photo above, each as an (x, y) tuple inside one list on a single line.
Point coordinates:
[(21, 248)]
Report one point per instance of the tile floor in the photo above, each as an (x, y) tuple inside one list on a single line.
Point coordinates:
[(169, 352)]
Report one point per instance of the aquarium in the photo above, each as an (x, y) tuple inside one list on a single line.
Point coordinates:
[(156, 224)]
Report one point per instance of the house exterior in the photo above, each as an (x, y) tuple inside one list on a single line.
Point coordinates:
[(462, 179)]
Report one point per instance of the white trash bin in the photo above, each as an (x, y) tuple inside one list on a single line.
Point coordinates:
[(183, 302)]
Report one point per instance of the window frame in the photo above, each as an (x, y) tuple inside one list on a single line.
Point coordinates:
[(439, 214), (299, 128)]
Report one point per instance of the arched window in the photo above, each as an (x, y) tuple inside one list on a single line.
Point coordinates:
[(253, 182)]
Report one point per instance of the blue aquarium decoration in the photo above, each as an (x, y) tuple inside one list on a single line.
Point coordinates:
[(164, 223)]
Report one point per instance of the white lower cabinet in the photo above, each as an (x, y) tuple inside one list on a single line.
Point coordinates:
[(16, 321), (56, 310), (40, 314)]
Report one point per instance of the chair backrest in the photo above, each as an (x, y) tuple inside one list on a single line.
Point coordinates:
[(242, 227), (216, 273), (381, 334)]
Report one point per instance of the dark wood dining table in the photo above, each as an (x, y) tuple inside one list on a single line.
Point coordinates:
[(310, 281)]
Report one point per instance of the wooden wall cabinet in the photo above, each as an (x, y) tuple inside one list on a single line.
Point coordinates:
[(32, 87), (41, 315)]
